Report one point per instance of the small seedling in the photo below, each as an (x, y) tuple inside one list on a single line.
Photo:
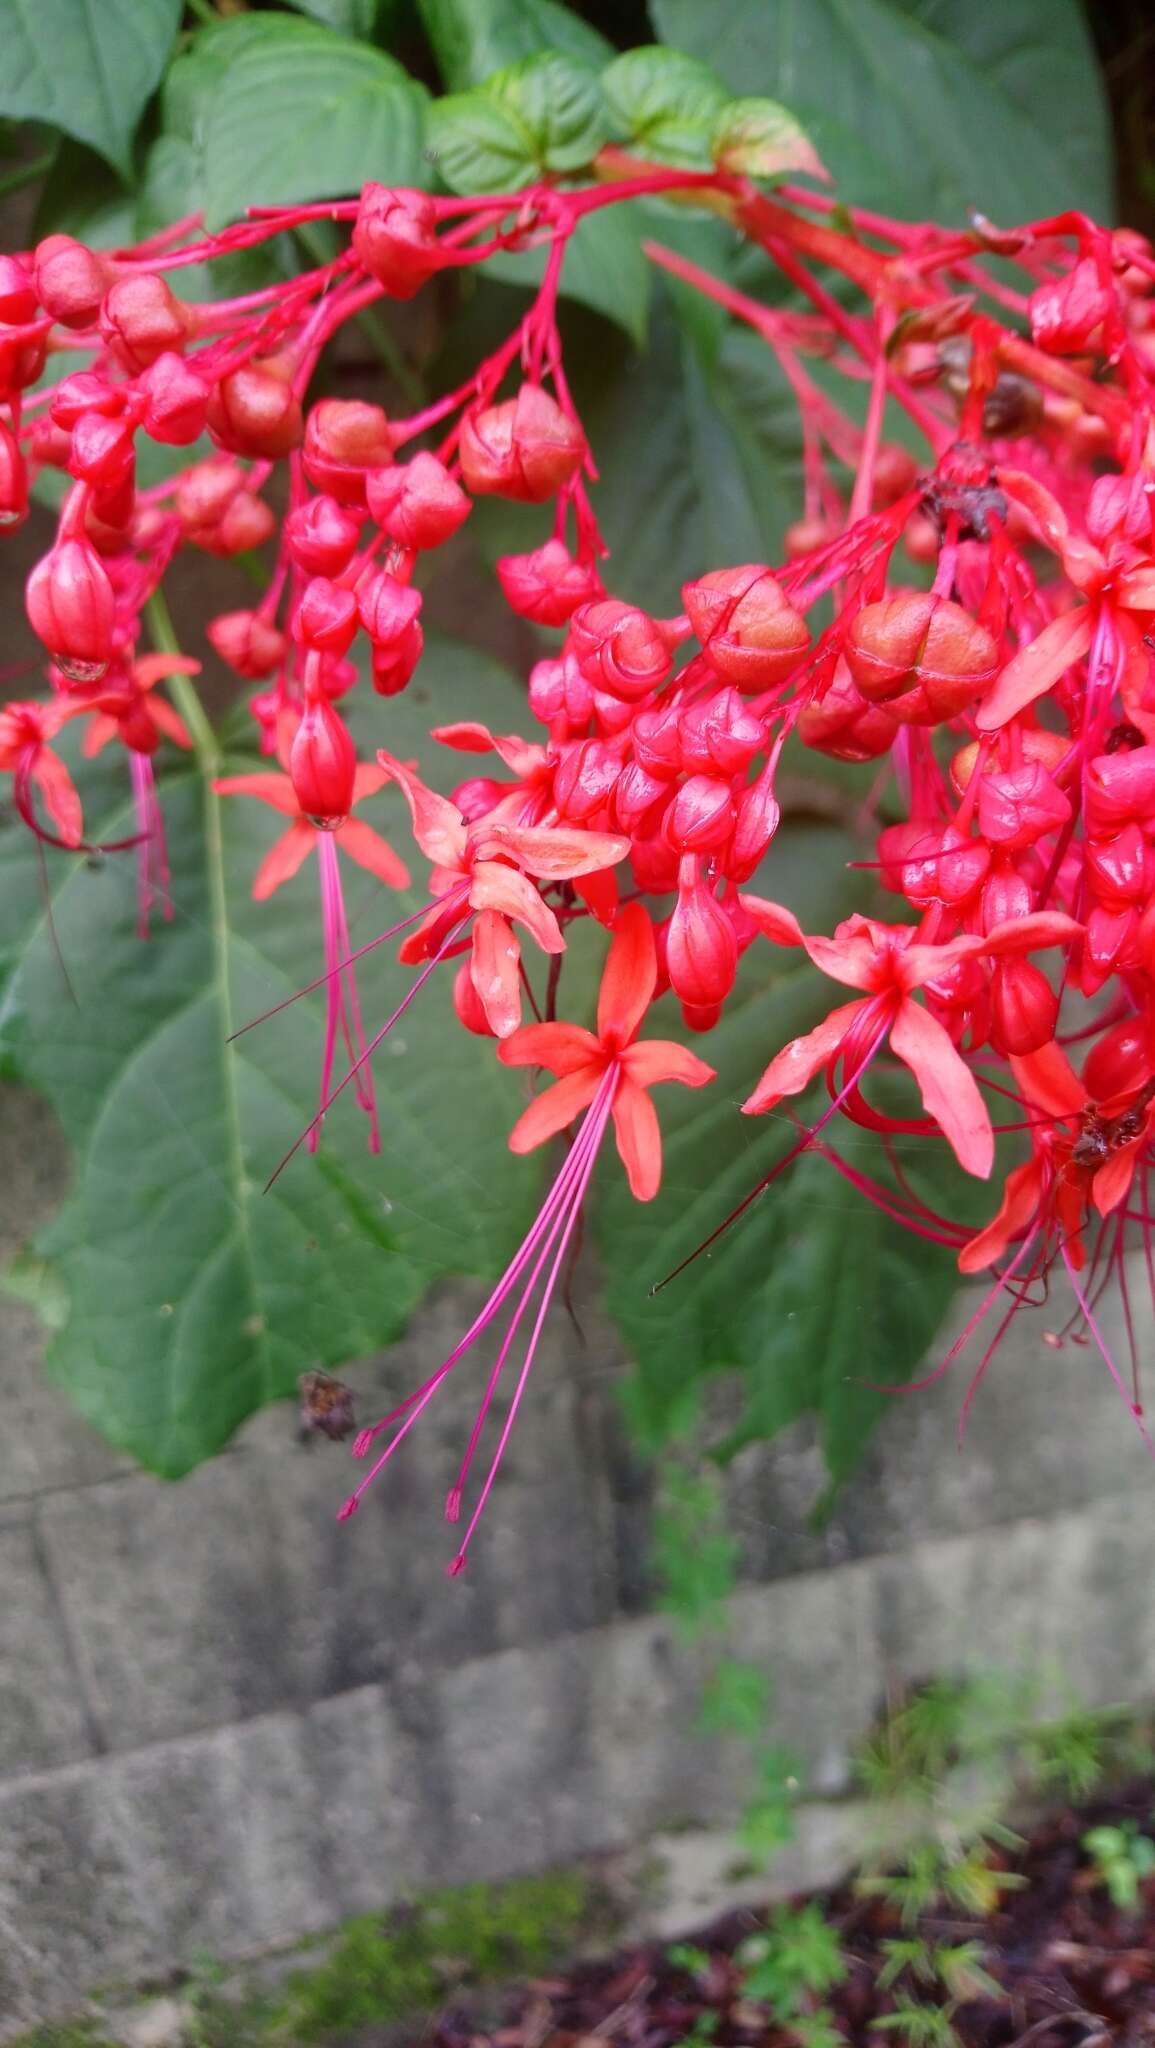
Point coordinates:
[(1122, 1858)]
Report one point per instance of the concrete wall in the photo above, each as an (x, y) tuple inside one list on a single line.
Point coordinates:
[(226, 1721)]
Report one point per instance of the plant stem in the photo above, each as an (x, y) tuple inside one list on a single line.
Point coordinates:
[(25, 174), (369, 321), (182, 690)]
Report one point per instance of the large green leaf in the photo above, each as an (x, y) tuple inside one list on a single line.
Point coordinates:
[(813, 1293), (473, 38), (309, 115), (543, 114), (187, 1297), (87, 66), (924, 107)]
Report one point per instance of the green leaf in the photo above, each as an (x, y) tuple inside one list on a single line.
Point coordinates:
[(668, 104), (278, 110), (760, 139), (349, 17), (558, 102), (192, 1298), (473, 38), (477, 145), (86, 66), (604, 268), (924, 107)]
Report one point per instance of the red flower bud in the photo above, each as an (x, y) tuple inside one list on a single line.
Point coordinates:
[(842, 724), (254, 412), (1121, 870), (345, 438), (525, 448), (395, 238), (1024, 1007), (393, 665), (1066, 313), (922, 656), (322, 536), (323, 765), (1018, 806), (719, 734), (619, 649), (176, 401), (326, 616), (417, 503), (1119, 1062), (1108, 938), (805, 537), (388, 608), (701, 817), (70, 280), (71, 609), (17, 293), (205, 492), (248, 644), (84, 392), (701, 944), (13, 481), (1120, 787), (142, 319), (558, 689), (246, 522), (101, 451), (1119, 506), (752, 635), (658, 740), (585, 779), (1006, 894), (756, 823), (640, 799), (943, 865), (21, 361), (547, 586)]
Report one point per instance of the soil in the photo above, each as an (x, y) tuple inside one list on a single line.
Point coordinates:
[(1075, 1970)]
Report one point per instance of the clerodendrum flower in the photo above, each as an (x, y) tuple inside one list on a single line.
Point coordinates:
[(891, 963), (285, 856), (602, 1077)]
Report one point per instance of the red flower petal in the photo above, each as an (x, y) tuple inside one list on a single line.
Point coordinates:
[(1035, 668), (276, 790), (561, 1048), (369, 850), (495, 887), (629, 977), (1018, 1207), (551, 1111), (792, 1069), (437, 826), (496, 971), (662, 1059), (284, 857), (639, 1139), (947, 1086)]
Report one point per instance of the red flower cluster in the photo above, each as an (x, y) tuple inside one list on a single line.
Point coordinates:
[(976, 617)]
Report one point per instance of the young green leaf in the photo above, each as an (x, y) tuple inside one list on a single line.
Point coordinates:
[(478, 146), (666, 104), (557, 101), (760, 139)]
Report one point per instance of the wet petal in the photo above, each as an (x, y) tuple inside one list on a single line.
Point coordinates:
[(629, 977), (1113, 1180), (60, 798), (437, 824), (496, 971), (639, 1139), (169, 721), (495, 887), (367, 780), (773, 919), (1036, 668), (101, 729), (948, 1088), (1049, 1082), (551, 1111), (561, 1048), (792, 1069), (554, 853)]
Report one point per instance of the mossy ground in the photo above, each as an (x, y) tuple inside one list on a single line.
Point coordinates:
[(380, 1968)]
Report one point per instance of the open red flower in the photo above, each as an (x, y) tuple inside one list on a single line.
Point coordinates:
[(581, 1060), (891, 963), (25, 753), (293, 848)]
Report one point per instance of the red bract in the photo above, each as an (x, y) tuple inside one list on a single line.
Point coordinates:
[(418, 503), (71, 608), (395, 239)]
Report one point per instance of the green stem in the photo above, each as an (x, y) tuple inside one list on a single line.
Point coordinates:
[(181, 688), (26, 174)]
